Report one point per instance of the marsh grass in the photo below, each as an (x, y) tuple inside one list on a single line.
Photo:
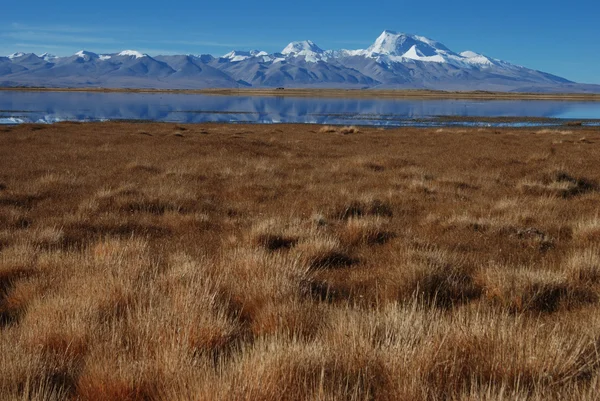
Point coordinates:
[(170, 262)]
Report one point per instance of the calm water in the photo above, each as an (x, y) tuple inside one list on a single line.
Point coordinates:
[(18, 107)]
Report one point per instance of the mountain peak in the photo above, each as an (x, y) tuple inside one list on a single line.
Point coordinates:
[(48, 56), (85, 55), (132, 53), (304, 46), (390, 33), (392, 43), (407, 46), (240, 55), (16, 55)]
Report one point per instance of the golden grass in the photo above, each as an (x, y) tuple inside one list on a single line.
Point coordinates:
[(342, 130), (278, 263)]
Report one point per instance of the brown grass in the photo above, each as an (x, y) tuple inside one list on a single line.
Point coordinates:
[(341, 130), (262, 263)]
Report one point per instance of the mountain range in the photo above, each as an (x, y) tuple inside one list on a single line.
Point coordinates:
[(394, 60)]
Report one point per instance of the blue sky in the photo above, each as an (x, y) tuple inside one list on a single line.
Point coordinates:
[(559, 37)]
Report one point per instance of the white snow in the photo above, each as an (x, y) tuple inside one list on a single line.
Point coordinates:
[(16, 55), (349, 53), (307, 49), (302, 46), (86, 55), (104, 57), (476, 58), (132, 53), (394, 47), (388, 43), (469, 54), (425, 40), (240, 55), (47, 56), (414, 54), (236, 56)]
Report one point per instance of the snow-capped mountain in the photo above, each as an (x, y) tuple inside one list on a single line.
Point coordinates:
[(307, 50), (240, 55), (394, 60)]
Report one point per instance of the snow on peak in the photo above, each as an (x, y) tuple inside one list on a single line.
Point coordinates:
[(469, 54), (307, 49), (132, 53), (397, 44), (16, 55), (86, 55), (391, 43), (239, 55), (414, 53), (47, 56), (433, 43), (305, 46), (398, 47), (476, 58)]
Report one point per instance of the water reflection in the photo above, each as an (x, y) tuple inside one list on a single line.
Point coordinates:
[(16, 107)]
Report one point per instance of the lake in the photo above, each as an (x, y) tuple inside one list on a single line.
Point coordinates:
[(48, 107)]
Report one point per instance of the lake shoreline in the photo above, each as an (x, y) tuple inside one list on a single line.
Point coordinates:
[(334, 93)]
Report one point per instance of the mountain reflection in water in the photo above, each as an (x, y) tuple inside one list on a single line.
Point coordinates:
[(17, 106)]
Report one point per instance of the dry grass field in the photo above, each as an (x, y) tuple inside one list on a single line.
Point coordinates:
[(293, 262)]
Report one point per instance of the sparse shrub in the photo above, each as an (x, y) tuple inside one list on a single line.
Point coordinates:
[(342, 130), (324, 253), (577, 186), (298, 320), (588, 230), (16, 292), (560, 184), (439, 280), (327, 129), (365, 230), (574, 124), (143, 167), (584, 266), (276, 235), (349, 130), (375, 167), (549, 297), (536, 291), (274, 242), (374, 207), (322, 290)]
